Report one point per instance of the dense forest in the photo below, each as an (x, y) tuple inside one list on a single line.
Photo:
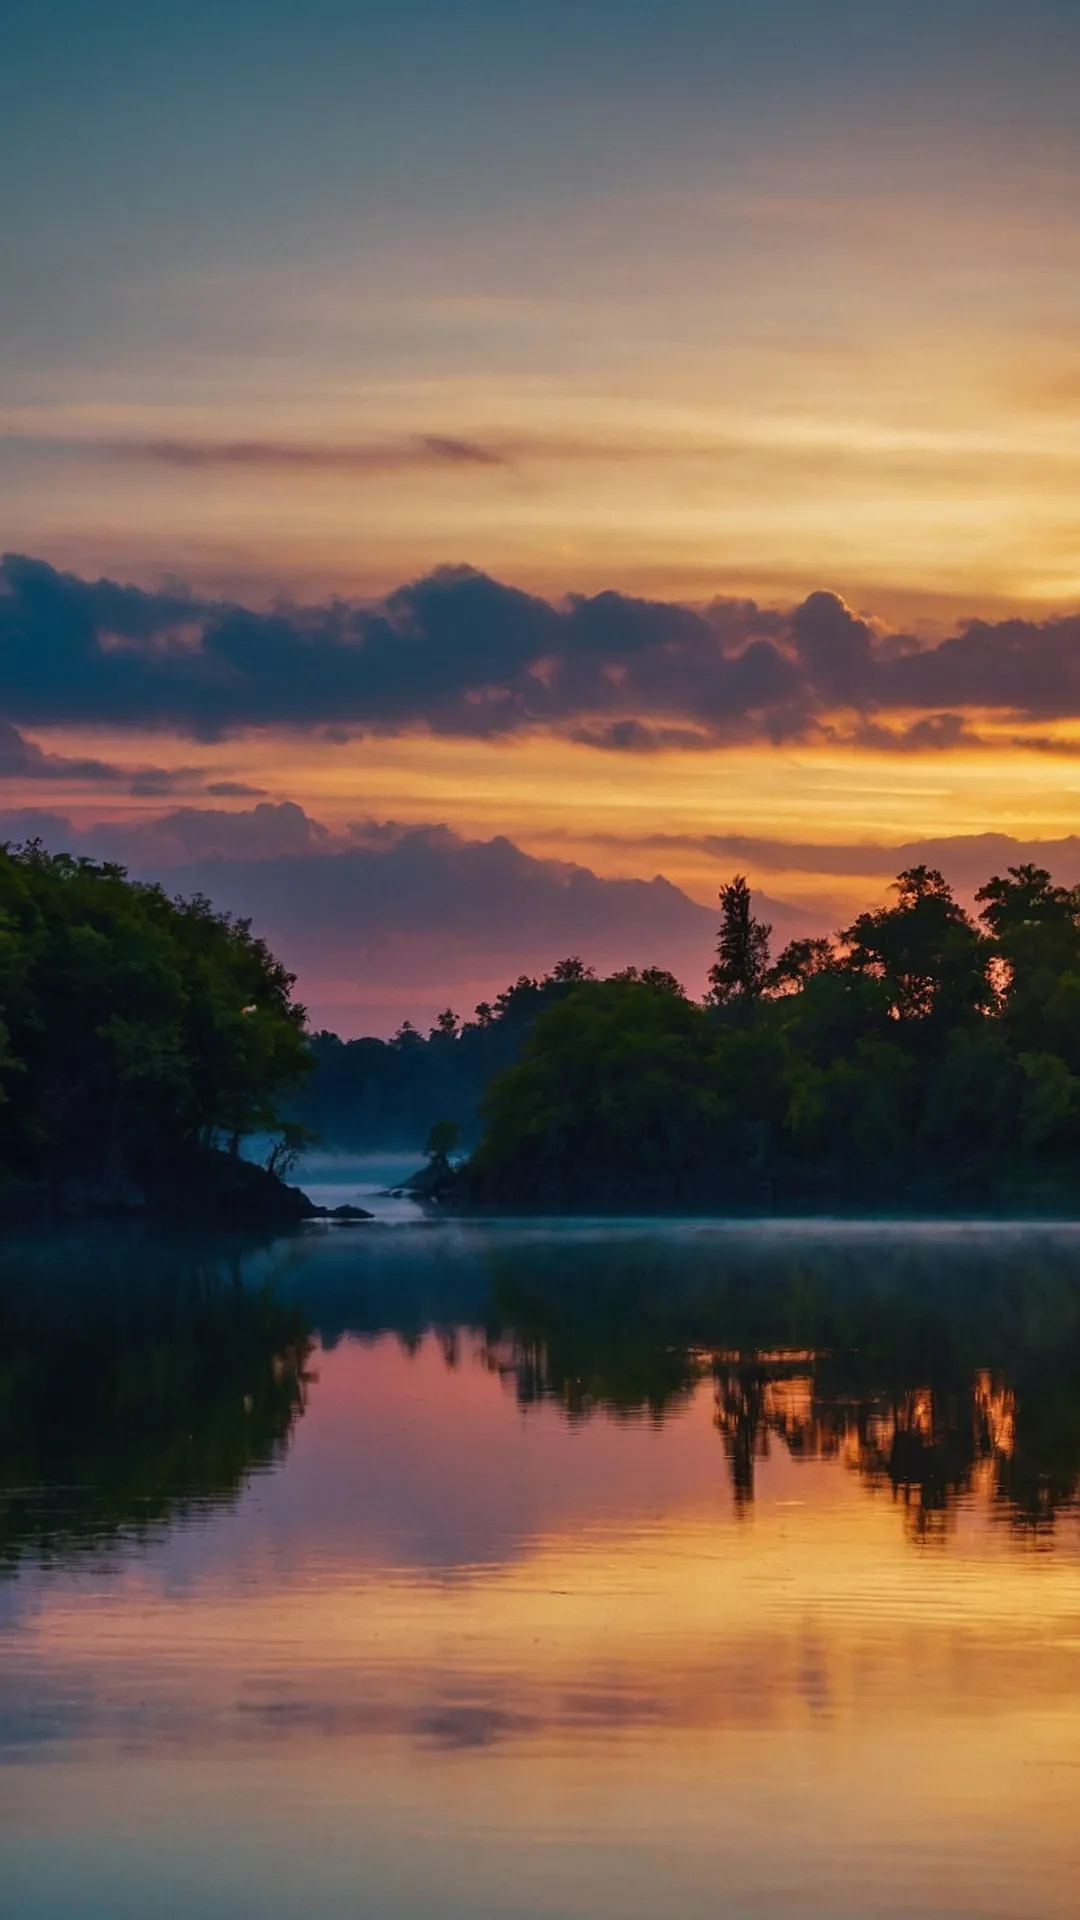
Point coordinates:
[(369, 1094), (923, 1054), (141, 1037)]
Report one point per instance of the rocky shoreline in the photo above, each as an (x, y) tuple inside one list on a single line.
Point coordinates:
[(209, 1186)]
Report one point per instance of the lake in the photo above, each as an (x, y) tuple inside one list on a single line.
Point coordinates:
[(540, 1569)]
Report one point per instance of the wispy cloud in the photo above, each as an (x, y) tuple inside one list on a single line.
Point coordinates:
[(967, 859), (295, 456)]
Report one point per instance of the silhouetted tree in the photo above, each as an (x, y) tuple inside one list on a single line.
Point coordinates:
[(741, 968), (569, 971), (798, 962), (925, 949)]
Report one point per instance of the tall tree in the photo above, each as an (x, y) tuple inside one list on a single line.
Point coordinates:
[(741, 968)]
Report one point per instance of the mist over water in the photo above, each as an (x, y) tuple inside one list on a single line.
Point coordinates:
[(567, 1568)]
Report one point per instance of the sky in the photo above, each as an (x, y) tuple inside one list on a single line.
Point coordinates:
[(646, 435)]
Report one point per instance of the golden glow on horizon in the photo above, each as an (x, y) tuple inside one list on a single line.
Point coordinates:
[(621, 814)]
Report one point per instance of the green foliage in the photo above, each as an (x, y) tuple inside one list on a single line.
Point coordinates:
[(368, 1094), (618, 1071), (135, 1027), (922, 1056)]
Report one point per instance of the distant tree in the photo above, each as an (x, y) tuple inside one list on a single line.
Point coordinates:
[(1035, 929), (523, 992), (443, 1140), (741, 968), (918, 1053), (447, 1026), (1025, 899), (286, 1150), (611, 1090), (569, 971), (658, 978), (407, 1037)]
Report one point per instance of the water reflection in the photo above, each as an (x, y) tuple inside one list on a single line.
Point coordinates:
[(142, 1376), (553, 1572), (933, 1368), (141, 1379)]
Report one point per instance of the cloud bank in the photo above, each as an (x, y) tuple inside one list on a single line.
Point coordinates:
[(462, 654), (385, 922)]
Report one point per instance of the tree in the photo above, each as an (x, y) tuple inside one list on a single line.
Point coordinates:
[(612, 1093), (925, 949), (139, 1028), (917, 1056), (569, 971), (443, 1140), (1024, 902), (1035, 929), (741, 968), (659, 978), (798, 962)]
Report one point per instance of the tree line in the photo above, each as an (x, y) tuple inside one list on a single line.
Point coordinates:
[(371, 1094), (923, 1053)]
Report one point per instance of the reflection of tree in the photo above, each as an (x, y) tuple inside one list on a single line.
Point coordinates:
[(139, 1381), (933, 1375), (927, 1445), (741, 1420), (623, 1378)]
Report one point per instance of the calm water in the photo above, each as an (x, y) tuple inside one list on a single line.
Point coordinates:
[(579, 1570)]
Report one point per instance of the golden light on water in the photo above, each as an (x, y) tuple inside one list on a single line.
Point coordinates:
[(620, 1657)]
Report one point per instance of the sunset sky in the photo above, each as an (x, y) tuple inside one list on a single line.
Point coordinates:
[(733, 349)]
